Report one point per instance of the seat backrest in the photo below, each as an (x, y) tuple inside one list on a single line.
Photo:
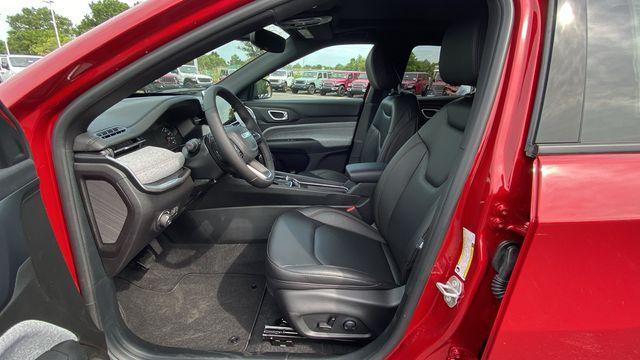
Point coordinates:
[(406, 197), (396, 119), (393, 124)]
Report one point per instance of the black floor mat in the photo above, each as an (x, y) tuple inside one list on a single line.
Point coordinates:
[(204, 312), (207, 297)]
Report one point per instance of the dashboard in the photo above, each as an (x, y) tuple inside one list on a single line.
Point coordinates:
[(161, 121)]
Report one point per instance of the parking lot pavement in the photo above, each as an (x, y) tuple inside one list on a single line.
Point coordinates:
[(289, 96)]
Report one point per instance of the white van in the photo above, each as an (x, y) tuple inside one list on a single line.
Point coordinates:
[(13, 64)]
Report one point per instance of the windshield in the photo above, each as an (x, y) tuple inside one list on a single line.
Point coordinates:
[(212, 67), (336, 75), (22, 61), (309, 74), (363, 76), (410, 76)]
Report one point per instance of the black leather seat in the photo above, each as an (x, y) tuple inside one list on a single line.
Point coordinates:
[(395, 120), (326, 267)]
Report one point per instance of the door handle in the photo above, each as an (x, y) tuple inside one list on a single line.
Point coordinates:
[(278, 115)]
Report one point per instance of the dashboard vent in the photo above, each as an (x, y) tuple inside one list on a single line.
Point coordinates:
[(107, 133)]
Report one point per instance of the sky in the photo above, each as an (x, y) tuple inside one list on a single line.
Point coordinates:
[(76, 9), (73, 9), (339, 54)]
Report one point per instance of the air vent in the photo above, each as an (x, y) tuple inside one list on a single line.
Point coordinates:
[(107, 133)]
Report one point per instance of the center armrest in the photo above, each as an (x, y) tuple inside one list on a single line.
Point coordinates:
[(365, 172)]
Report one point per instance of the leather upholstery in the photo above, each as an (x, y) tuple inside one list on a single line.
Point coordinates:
[(461, 53), (365, 172), (384, 67), (394, 122), (323, 248), (314, 248)]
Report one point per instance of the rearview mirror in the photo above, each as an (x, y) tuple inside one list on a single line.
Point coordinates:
[(262, 89), (267, 41)]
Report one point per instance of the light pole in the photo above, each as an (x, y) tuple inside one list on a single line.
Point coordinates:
[(53, 20), (6, 42)]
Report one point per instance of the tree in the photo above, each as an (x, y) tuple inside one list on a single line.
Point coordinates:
[(3, 49), (210, 64), (415, 65), (235, 61), (101, 11), (31, 31), (250, 50)]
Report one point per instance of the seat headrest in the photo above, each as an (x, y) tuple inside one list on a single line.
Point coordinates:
[(385, 66), (461, 52)]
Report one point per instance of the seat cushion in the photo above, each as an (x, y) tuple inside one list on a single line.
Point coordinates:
[(317, 248), (326, 174)]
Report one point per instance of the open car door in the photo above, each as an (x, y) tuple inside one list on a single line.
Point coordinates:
[(42, 314)]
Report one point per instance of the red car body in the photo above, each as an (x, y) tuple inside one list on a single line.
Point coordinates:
[(339, 83), (571, 295), (415, 82), (359, 85)]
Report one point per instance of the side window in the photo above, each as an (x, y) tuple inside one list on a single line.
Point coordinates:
[(593, 88), (330, 71), (422, 76)]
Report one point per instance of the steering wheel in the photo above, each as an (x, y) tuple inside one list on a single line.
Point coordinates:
[(238, 144)]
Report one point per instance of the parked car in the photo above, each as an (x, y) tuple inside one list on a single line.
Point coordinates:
[(338, 82), (13, 64), (359, 85), (437, 86), (309, 81), (190, 77), (168, 81), (281, 80), (416, 82)]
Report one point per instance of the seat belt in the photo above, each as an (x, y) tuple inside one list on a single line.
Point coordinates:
[(366, 117), (425, 237)]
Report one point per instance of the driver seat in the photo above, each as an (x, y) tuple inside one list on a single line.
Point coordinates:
[(335, 276)]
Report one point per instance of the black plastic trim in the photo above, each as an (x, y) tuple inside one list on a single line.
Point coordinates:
[(531, 149)]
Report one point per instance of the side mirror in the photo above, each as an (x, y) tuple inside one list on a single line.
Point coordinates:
[(5, 65), (262, 89)]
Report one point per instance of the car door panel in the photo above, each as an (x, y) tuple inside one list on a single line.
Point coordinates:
[(308, 132), (37, 294)]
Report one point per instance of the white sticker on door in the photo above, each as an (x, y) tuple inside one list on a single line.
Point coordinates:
[(466, 255)]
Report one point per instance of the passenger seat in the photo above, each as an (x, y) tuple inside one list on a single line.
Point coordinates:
[(395, 120)]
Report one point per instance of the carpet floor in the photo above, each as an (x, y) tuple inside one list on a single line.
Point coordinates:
[(206, 297)]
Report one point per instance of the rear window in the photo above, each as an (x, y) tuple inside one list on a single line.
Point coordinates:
[(593, 94)]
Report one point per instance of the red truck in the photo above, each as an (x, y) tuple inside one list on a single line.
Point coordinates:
[(338, 82), (359, 85), (415, 82)]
